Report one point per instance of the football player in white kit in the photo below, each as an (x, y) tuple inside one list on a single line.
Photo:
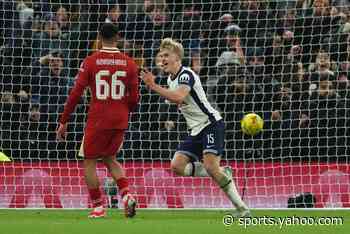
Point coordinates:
[(199, 154)]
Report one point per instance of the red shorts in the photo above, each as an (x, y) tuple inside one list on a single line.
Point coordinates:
[(101, 143)]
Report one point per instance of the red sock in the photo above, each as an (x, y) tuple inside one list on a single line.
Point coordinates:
[(95, 196), (123, 186)]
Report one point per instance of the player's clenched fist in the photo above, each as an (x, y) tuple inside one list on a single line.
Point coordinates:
[(148, 78)]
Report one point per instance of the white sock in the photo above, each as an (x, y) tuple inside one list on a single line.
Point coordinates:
[(229, 188), (195, 169), (98, 208)]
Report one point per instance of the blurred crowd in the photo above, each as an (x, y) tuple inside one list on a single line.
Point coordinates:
[(287, 60)]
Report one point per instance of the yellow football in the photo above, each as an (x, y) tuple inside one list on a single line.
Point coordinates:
[(252, 124)]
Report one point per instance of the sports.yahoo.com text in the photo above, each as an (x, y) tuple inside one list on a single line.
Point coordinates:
[(229, 220)]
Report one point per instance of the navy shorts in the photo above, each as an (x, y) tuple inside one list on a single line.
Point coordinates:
[(209, 140)]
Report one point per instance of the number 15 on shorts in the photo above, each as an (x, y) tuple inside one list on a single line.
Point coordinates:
[(210, 139)]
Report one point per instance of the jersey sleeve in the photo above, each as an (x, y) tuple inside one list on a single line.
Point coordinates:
[(133, 85), (186, 79), (82, 80)]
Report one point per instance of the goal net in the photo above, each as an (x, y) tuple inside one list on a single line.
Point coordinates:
[(288, 61)]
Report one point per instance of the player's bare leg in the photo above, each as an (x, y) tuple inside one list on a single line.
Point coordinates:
[(178, 164), (182, 166), (224, 179), (120, 179), (93, 186)]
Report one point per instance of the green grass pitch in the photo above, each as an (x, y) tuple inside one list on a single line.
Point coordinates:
[(158, 222)]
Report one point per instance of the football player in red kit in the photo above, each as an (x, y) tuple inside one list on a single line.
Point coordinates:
[(112, 78)]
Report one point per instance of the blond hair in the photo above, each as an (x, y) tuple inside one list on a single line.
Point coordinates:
[(173, 46)]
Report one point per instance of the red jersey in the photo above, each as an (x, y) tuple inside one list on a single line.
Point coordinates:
[(113, 81)]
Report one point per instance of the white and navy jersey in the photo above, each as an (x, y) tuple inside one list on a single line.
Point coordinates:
[(196, 108)]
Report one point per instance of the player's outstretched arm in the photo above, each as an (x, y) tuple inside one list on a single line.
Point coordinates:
[(81, 82), (177, 96), (69, 107), (133, 87), (72, 100)]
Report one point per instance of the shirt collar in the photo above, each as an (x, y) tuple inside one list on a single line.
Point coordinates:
[(110, 49), (175, 76)]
